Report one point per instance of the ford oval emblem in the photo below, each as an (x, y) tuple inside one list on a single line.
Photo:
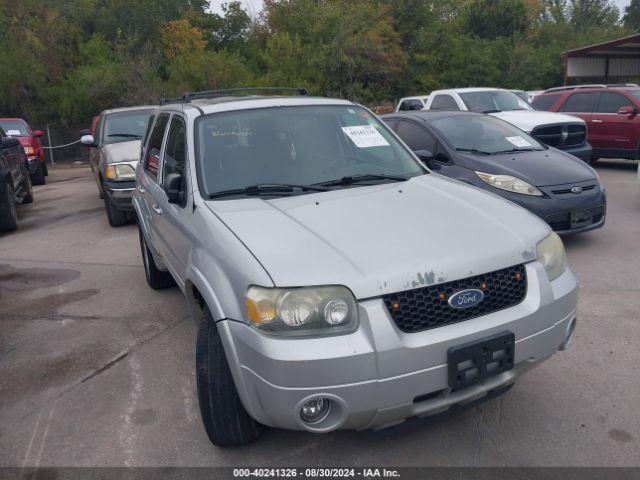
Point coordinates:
[(577, 189), (466, 298)]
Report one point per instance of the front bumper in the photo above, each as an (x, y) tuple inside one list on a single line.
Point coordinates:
[(34, 163), (120, 193), (583, 151), (379, 376)]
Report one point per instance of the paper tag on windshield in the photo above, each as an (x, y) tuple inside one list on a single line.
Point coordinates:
[(13, 132), (518, 142), (365, 136)]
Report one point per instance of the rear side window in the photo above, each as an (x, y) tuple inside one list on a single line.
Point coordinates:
[(580, 103), (611, 102), (175, 151), (152, 157), (545, 102), (444, 102)]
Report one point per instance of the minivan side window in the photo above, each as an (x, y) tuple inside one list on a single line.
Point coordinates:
[(611, 102), (580, 103), (176, 149), (444, 102), (152, 155)]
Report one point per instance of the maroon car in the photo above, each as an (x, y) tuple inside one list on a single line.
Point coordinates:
[(30, 141), (611, 113)]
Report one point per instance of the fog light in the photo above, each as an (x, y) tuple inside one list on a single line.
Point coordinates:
[(315, 410)]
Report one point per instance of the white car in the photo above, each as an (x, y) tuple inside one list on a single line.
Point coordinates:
[(554, 129), (412, 103)]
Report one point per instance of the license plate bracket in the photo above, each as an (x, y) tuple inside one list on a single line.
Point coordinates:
[(472, 362), (581, 218)]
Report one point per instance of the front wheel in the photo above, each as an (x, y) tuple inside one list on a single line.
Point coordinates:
[(225, 420), (116, 217), (38, 176), (8, 212)]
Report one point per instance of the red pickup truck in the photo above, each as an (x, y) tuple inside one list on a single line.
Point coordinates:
[(30, 141)]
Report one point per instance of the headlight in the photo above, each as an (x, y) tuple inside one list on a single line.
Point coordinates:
[(510, 184), (550, 252), (120, 171), (29, 150), (302, 311)]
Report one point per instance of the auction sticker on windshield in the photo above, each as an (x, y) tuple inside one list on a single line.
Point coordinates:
[(365, 136), (518, 141)]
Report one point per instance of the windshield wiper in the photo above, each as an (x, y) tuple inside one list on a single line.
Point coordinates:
[(353, 179), (473, 150), (514, 150), (267, 189), (495, 110), (128, 135)]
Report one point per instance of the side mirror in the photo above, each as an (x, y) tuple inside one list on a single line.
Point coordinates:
[(38, 133), (10, 142), (173, 188), (627, 110), (88, 141), (427, 157)]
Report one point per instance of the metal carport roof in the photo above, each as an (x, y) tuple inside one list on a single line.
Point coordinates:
[(617, 59)]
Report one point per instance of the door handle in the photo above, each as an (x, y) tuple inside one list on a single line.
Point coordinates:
[(141, 189), (596, 121), (156, 209)]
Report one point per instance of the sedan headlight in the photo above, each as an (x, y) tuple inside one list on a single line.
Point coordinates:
[(302, 311), (120, 171), (510, 184), (550, 252)]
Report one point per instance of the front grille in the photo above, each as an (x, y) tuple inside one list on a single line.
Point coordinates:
[(423, 308), (564, 191), (561, 136)]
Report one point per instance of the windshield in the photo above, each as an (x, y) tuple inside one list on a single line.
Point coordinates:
[(305, 145), (493, 101), (484, 134), (125, 126), (15, 128)]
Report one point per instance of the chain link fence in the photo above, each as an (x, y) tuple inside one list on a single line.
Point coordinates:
[(56, 134)]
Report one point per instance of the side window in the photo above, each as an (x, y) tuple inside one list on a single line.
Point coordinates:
[(444, 102), (152, 154), (545, 102), (611, 102), (175, 151), (580, 103), (411, 105), (416, 136)]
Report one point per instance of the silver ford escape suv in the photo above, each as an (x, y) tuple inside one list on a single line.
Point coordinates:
[(337, 282)]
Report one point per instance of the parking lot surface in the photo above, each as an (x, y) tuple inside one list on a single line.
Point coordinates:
[(97, 369)]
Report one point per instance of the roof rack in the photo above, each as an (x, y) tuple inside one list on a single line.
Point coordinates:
[(232, 92), (597, 85)]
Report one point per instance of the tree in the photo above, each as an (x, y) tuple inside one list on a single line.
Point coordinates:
[(496, 18), (586, 14), (631, 18)]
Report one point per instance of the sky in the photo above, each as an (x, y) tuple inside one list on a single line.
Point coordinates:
[(254, 6)]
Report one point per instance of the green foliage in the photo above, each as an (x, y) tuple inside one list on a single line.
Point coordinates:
[(69, 59)]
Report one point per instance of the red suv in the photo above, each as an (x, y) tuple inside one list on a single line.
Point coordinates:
[(611, 113), (30, 141)]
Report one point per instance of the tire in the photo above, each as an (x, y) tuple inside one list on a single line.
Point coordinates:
[(225, 420), (38, 178), (46, 170), (156, 279), (8, 214), (28, 188), (116, 217)]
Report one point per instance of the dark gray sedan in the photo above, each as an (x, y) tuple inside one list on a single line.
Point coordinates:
[(492, 154)]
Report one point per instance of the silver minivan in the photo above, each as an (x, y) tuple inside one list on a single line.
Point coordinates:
[(336, 281)]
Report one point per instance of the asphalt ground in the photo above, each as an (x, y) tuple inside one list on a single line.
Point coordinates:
[(97, 369)]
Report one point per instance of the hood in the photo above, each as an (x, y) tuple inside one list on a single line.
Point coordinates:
[(122, 151), (384, 238), (540, 169), (527, 120)]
